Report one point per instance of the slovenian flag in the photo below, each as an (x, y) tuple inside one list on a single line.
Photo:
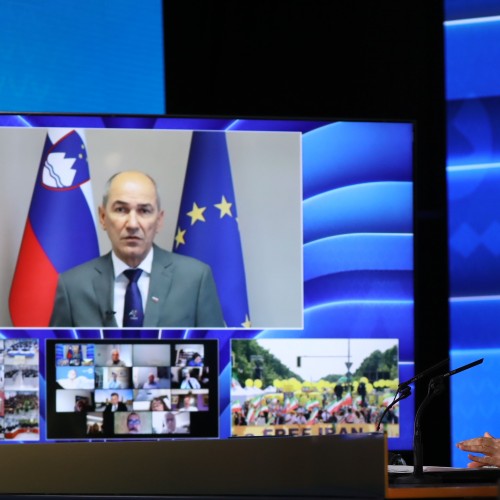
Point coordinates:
[(207, 226), (60, 232)]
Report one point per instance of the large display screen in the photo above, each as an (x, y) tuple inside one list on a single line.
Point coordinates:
[(310, 239)]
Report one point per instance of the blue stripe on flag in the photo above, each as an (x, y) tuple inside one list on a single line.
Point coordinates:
[(59, 213)]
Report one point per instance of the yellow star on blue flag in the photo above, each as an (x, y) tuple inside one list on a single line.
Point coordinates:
[(208, 224)]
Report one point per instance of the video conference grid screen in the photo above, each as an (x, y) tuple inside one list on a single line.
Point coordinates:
[(131, 389), (345, 268)]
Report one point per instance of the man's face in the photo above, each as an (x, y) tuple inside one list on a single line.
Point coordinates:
[(134, 423), (131, 216), (156, 405), (115, 356), (170, 422), (114, 399)]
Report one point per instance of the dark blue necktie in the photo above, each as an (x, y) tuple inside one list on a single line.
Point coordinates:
[(132, 313)]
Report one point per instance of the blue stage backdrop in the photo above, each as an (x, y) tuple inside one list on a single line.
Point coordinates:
[(472, 31)]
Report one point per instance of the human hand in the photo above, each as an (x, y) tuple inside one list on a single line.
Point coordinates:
[(487, 445)]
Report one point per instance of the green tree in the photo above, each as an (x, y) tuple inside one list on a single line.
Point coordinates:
[(248, 355), (379, 365)]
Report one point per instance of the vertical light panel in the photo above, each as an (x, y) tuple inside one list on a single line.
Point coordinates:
[(472, 33)]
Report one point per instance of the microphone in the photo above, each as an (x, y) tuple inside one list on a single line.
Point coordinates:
[(405, 391), (403, 394), (436, 387), (422, 374), (108, 317), (458, 370)]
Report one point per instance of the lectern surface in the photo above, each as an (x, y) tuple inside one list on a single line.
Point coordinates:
[(444, 475)]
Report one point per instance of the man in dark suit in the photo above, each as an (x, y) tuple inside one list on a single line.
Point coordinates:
[(115, 404), (177, 291)]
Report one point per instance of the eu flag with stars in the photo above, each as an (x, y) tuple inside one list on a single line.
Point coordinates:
[(60, 231), (207, 227)]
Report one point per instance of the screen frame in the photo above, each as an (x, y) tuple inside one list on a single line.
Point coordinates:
[(220, 120)]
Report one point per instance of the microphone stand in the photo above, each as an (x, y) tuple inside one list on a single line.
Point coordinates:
[(436, 387), (404, 389)]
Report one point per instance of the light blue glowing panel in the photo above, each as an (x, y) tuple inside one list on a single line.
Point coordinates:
[(90, 56)]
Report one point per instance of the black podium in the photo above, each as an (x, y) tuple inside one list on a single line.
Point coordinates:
[(336, 466)]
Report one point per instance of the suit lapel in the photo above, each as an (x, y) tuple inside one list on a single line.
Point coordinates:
[(103, 289), (159, 286)]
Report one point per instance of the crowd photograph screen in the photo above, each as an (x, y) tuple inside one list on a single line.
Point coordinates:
[(319, 387), (310, 239), (125, 389)]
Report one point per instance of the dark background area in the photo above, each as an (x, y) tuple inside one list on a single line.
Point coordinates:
[(368, 60)]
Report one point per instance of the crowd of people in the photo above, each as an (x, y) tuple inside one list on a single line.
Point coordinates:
[(12, 428), (270, 410)]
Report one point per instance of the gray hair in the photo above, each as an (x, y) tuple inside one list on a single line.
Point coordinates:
[(107, 188)]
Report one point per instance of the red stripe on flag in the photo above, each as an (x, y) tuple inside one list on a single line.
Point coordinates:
[(34, 284)]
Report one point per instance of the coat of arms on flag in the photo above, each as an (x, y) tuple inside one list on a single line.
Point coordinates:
[(60, 230)]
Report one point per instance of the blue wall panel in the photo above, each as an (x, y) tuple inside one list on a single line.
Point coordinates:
[(72, 56), (472, 32)]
